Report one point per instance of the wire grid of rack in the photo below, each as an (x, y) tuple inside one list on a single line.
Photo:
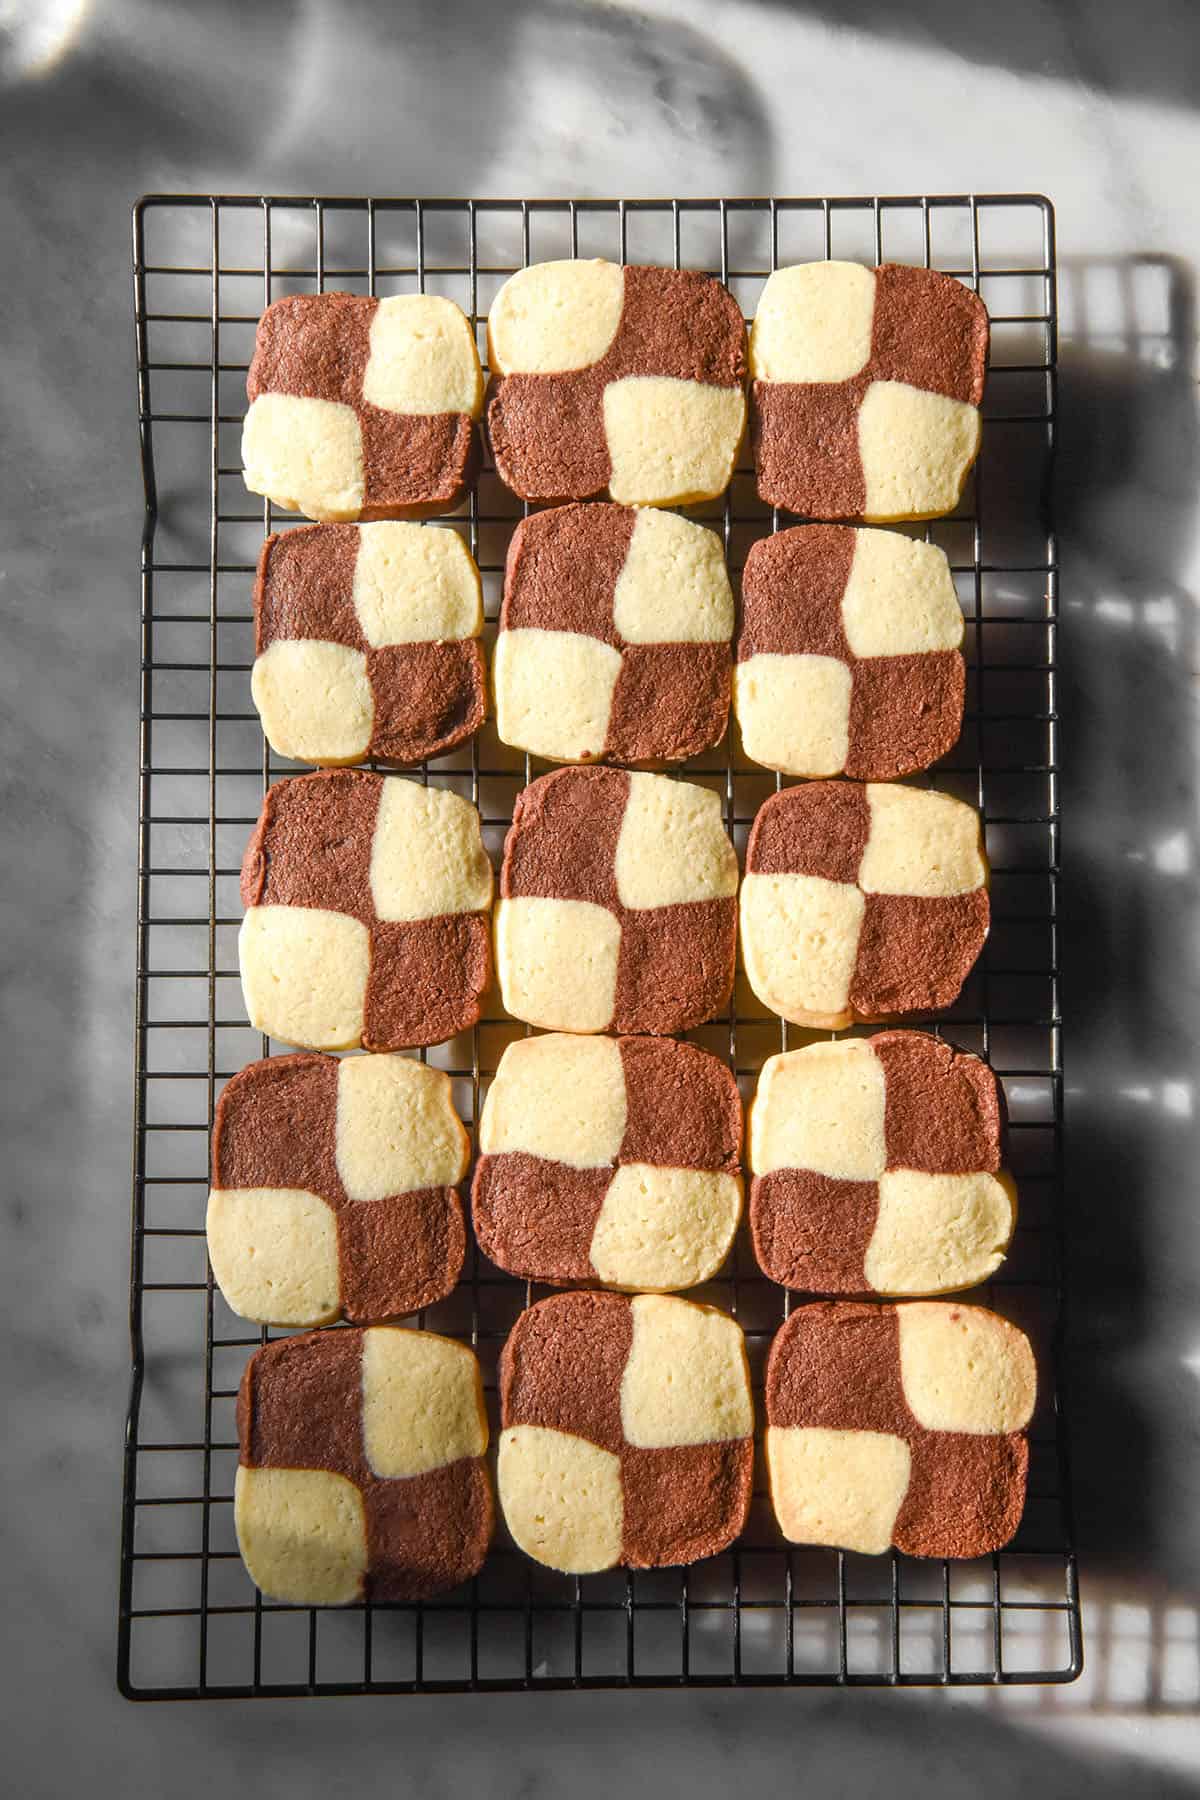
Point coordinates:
[(191, 1624)]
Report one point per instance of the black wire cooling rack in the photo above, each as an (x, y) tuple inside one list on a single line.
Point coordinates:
[(191, 1624)]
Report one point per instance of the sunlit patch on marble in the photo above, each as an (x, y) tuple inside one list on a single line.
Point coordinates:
[(1173, 855), (35, 35), (1176, 1098), (1158, 615)]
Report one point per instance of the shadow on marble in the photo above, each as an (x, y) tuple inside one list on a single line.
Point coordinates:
[(561, 87), (1151, 50), (1128, 467), (702, 1745)]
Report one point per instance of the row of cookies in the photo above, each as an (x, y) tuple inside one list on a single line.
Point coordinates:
[(524, 1111), (876, 1168), (615, 644), (368, 901), (865, 387), (397, 1505), (332, 1194), (626, 1440)]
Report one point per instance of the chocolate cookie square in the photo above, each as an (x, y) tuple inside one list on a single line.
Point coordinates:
[(876, 1166), (334, 1189), (899, 1425), (366, 643), (361, 1467), (862, 902), (609, 1160), (618, 381), (367, 913), (849, 654), (866, 386), (363, 408), (617, 909), (614, 637), (627, 1432)]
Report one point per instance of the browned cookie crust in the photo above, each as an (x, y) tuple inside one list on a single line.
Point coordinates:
[(547, 431), (277, 1127), (315, 846), (903, 709), (662, 1110), (317, 346), (670, 699), (428, 695), (896, 952), (572, 1365), (836, 1367), (928, 332), (846, 1211), (303, 1405), (675, 961)]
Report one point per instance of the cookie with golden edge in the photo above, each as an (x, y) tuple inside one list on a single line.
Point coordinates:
[(627, 1432), (367, 913), (614, 636), (363, 408), (362, 1472), (877, 1167), (866, 386), (609, 1160), (334, 1189), (862, 902), (899, 1425), (623, 382), (366, 643)]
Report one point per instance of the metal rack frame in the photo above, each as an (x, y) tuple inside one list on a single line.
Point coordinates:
[(191, 1624)]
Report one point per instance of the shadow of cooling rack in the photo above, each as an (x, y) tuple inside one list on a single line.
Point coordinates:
[(191, 1624)]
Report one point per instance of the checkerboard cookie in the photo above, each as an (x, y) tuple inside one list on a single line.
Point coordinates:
[(627, 1432), (363, 408), (366, 643), (617, 909), (334, 1189), (899, 1425), (361, 1471), (614, 636), (611, 1160), (848, 657), (862, 902), (620, 381), (865, 388), (876, 1168), (367, 900)]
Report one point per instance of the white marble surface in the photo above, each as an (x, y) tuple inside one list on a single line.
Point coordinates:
[(1096, 105)]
